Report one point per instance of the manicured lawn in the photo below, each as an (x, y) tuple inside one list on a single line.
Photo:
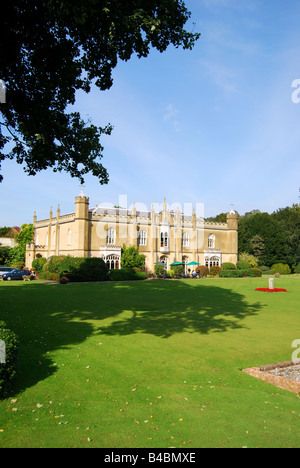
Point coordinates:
[(150, 364)]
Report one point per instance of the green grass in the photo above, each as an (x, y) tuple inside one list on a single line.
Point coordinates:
[(152, 364)]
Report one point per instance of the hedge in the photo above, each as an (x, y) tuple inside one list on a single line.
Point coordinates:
[(236, 273), (126, 274), (7, 368), (76, 269), (228, 266), (243, 265)]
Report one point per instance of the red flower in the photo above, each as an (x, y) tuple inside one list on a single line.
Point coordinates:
[(271, 290)]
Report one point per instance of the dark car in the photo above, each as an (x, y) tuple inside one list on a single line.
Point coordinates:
[(4, 270), (15, 274)]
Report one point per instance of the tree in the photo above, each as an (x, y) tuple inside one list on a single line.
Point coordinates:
[(50, 49), (4, 255), (131, 258), (257, 246), (5, 232), (17, 254), (289, 221), (271, 233)]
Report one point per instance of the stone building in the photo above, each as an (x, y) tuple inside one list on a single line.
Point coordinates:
[(163, 236)]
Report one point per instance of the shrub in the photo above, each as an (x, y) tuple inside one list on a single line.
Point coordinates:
[(7, 368), (228, 266), (47, 275), (264, 268), (76, 269), (281, 268), (126, 274), (38, 264), (178, 270), (132, 258), (170, 274), (297, 268), (63, 280), (245, 257), (202, 270), (236, 273), (215, 271), (160, 271), (243, 265), (18, 264), (256, 271)]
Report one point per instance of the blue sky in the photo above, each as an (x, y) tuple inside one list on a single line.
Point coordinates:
[(215, 125)]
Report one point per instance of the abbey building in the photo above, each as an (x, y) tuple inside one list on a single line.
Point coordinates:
[(162, 236)]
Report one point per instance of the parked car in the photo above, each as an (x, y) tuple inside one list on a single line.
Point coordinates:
[(15, 274), (5, 269)]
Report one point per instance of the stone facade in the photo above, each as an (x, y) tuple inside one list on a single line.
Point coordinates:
[(163, 237)]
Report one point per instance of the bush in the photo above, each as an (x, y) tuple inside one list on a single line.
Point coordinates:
[(76, 269), (63, 280), (243, 265), (47, 275), (178, 270), (38, 264), (264, 268), (215, 271), (228, 266), (170, 274), (256, 271), (7, 368), (281, 268), (297, 268), (126, 274), (160, 271), (18, 264), (245, 257), (202, 270)]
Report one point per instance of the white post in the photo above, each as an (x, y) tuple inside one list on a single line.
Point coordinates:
[(271, 283)]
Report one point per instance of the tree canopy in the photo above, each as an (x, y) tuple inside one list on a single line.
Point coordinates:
[(52, 48)]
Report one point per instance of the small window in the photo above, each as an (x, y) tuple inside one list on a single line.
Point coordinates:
[(142, 238), (110, 236), (164, 242), (185, 240), (211, 241), (69, 237)]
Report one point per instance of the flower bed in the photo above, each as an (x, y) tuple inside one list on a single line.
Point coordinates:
[(271, 290)]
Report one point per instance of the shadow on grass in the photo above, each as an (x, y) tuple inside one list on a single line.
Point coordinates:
[(51, 317)]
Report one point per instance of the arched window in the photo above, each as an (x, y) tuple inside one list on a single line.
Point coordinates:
[(69, 237), (142, 238), (164, 239), (164, 260), (212, 261), (185, 239), (53, 239), (110, 236), (113, 262), (211, 241)]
